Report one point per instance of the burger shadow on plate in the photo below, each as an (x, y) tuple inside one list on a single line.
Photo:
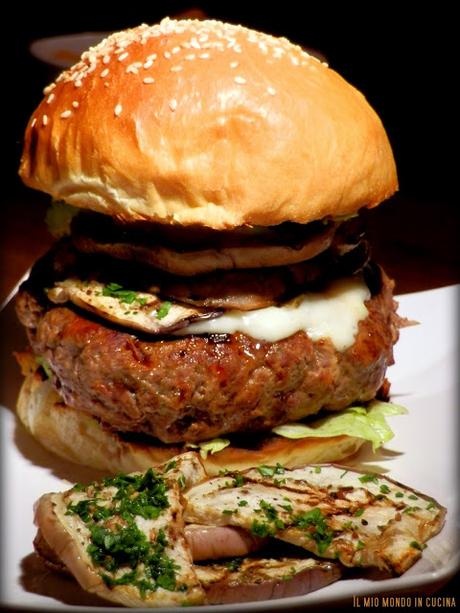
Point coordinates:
[(39, 456), (367, 460), (38, 579)]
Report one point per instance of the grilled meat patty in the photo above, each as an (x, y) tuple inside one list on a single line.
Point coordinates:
[(198, 387)]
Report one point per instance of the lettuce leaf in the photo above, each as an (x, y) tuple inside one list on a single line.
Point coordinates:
[(358, 421), (213, 446), (58, 218)]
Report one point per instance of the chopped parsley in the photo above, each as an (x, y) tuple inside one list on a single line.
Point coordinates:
[(411, 509), (164, 309), (115, 539), (399, 494), (417, 545), (271, 514), (385, 489), (359, 512), (360, 545), (430, 505), (242, 503), (261, 529), (125, 296), (369, 478), (170, 465), (315, 524), (317, 469), (270, 471), (234, 564), (413, 497), (238, 480)]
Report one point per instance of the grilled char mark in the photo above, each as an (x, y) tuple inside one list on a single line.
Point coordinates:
[(364, 520)]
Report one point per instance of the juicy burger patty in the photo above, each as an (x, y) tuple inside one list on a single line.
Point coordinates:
[(198, 387)]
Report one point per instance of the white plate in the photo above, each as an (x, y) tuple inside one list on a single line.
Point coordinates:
[(64, 51), (423, 454)]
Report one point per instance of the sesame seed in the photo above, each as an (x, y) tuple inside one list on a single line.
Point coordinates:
[(148, 64), (45, 120), (75, 104), (294, 60), (263, 47), (104, 73), (190, 56), (195, 44), (152, 57), (123, 56), (175, 68), (106, 59), (173, 104), (175, 50), (271, 91), (237, 49), (204, 56), (66, 114), (234, 64), (240, 80), (33, 122), (51, 97), (78, 83), (117, 110), (132, 68), (203, 38), (149, 80), (167, 55), (48, 89)]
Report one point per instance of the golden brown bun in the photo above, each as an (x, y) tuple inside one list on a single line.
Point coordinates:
[(77, 437), (200, 122)]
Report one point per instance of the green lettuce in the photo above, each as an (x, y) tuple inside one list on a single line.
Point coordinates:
[(358, 421), (59, 216), (212, 446)]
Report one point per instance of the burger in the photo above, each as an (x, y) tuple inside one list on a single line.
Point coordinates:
[(212, 287)]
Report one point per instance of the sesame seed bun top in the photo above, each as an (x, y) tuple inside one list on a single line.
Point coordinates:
[(201, 122)]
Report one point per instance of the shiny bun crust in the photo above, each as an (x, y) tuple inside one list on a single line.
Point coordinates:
[(77, 437), (201, 122)]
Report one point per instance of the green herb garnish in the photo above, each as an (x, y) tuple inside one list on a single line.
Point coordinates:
[(125, 296), (234, 564), (270, 471), (315, 524), (369, 478), (164, 309)]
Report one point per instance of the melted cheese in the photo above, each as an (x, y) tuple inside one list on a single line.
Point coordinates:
[(333, 313)]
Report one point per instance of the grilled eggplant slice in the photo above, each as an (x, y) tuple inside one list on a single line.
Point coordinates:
[(360, 519)]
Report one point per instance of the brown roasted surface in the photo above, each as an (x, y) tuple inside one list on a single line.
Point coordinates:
[(198, 387)]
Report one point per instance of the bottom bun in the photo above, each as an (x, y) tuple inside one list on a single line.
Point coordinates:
[(80, 438)]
